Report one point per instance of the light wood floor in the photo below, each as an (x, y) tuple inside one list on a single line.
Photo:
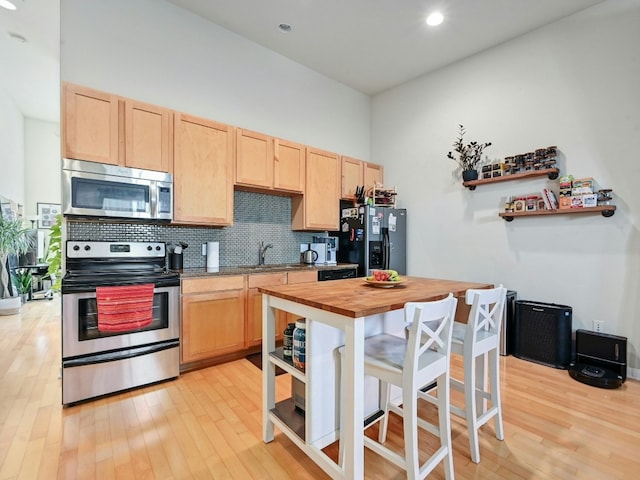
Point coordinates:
[(207, 424)]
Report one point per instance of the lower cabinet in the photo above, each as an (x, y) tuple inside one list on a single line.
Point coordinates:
[(284, 318), (254, 306), (222, 315), (254, 302), (213, 317)]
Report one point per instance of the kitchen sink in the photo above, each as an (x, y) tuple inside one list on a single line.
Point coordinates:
[(287, 266)]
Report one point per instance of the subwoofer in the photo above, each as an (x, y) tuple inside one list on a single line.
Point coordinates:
[(601, 359)]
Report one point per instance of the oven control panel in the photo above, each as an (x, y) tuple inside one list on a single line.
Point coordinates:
[(90, 249)]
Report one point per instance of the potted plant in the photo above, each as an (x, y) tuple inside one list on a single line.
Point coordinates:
[(54, 254), (469, 155), (14, 240), (23, 283)]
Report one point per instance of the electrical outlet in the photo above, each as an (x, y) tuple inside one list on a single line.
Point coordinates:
[(598, 326)]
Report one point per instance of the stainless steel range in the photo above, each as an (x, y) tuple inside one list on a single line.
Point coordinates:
[(120, 318)]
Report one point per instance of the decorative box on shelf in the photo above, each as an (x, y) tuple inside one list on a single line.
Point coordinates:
[(382, 196)]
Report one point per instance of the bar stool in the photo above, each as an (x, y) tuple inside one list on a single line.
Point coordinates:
[(409, 364), (478, 341)]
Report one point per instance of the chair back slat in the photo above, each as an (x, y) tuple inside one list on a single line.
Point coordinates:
[(487, 309), (430, 329)]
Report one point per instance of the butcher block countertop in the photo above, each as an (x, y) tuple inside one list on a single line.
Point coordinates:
[(354, 297)]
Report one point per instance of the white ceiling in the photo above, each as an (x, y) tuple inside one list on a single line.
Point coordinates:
[(30, 71), (370, 45)]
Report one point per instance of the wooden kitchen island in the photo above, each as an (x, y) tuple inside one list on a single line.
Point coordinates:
[(341, 312)]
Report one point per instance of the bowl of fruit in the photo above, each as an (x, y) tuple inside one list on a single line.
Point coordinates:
[(384, 278)]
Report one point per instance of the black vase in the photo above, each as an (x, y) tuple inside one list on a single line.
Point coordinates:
[(468, 175)]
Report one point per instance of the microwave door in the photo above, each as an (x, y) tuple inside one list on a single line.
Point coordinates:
[(98, 195)]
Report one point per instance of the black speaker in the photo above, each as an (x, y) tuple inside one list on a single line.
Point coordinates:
[(601, 359), (542, 333)]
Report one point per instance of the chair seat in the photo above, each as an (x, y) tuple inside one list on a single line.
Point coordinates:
[(388, 352), (485, 340)]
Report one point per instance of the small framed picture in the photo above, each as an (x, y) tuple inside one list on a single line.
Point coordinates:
[(47, 214)]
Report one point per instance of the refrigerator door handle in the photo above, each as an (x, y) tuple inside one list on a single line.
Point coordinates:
[(386, 249)]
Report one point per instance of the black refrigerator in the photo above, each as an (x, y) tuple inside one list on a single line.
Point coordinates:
[(373, 237)]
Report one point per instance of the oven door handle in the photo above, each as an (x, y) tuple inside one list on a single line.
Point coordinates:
[(120, 354)]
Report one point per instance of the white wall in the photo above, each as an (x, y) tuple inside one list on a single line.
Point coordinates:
[(156, 52), (42, 164), (574, 84), (11, 150)]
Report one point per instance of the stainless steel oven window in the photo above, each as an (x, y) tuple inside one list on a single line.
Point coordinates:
[(77, 340), (88, 318)]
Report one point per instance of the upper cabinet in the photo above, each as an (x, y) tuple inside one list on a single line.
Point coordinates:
[(352, 177), (105, 128), (267, 163), (148, 136), (289, 166), (373, 174), (356, 173), (318, 208), (89, 125), (254, 159), (203, 171)]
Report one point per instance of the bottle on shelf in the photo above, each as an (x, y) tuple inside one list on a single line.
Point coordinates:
[(300, 344)]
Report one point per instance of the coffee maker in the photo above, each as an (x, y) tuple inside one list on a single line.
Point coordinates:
[(331, 248)]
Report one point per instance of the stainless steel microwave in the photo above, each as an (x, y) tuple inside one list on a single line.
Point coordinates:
[(92, 189)]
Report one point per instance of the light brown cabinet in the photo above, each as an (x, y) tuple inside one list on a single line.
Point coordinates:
[(254, 159), (213, 317), (254, 306), (356, 173), (254, 302), (89, 125), (318, 208), (267, 163), (352, 177), (373, 174), (148, 136), (289, 166), (202, 171), (284, 318), (105, 128)]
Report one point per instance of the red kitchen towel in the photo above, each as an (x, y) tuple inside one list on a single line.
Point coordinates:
[(125, 308)]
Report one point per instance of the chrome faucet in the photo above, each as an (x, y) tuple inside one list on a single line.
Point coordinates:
[(262, 249)]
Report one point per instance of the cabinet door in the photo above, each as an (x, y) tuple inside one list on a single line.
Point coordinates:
[(89, 125), (352, 177), (202, 171), (289, 166), (318, 208), (285, 318), (373, 174), (213, 315), (254, 159), (147, 136), (254, 307)]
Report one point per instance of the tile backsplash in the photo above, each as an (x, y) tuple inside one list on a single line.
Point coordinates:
[(257, 217)]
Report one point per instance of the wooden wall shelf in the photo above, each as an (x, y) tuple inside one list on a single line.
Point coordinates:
[(605, 210), (551, 173)]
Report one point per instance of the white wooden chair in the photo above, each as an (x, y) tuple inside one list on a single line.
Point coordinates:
[(478, 341), (409, 364)]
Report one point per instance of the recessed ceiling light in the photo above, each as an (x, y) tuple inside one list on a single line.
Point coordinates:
[(284, 27), (434, 19), (17, 37), (7, 4)]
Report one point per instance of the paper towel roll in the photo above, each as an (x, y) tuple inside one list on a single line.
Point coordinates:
[(213, 256)]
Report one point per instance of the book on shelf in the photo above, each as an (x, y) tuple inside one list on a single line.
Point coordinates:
[(550, 199)]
